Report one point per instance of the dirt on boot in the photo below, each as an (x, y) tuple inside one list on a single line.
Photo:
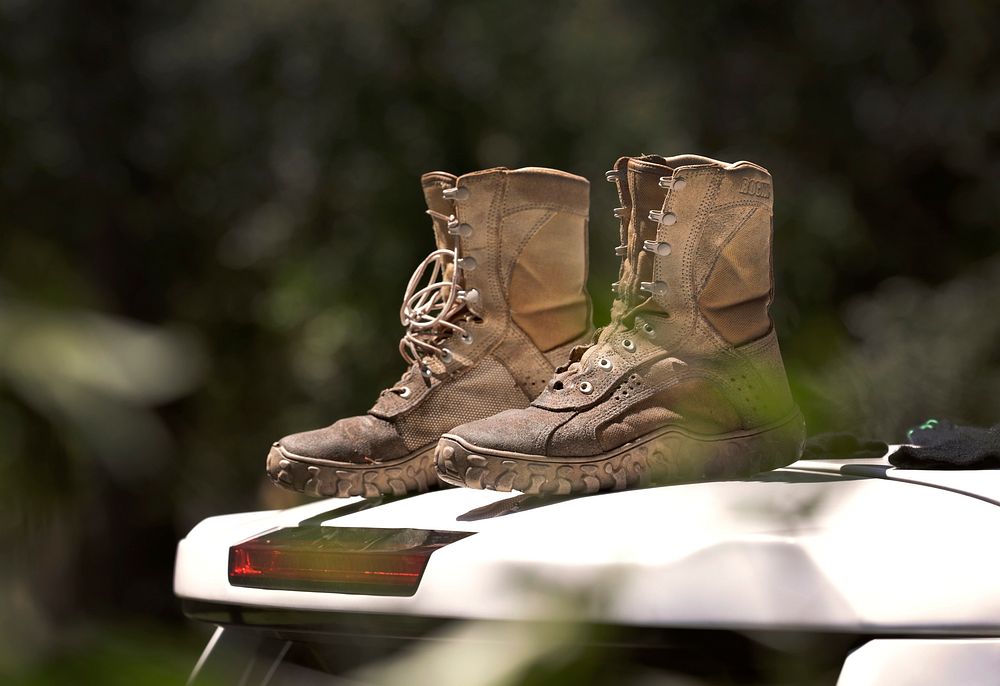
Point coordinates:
[(686, 383), (488, 315)]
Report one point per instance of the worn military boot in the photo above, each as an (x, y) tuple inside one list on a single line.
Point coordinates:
[(488, 315), (686, 383)]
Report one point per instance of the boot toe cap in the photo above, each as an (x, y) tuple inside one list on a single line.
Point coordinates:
[(518, 431), (355, 440)]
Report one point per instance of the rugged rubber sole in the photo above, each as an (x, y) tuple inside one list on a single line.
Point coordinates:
[(665, 457), (414, 473)]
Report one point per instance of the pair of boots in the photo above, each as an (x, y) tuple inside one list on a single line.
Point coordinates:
[(510, 388)]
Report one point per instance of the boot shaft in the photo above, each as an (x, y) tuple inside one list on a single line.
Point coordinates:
[(522, 240), (432, 184), (507, 286), (698, 249)]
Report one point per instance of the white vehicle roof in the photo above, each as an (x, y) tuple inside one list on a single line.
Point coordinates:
[(839, 545)]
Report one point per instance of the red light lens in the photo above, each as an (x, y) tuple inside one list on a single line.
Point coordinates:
[(337, 559)]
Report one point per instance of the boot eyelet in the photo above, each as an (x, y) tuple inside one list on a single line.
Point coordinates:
[(463, 230), (604, 363), (661, 217), (585, 387), (426, 372), (648, 330), (456, 193), (446, 356), (661, 249), (467, 263), (628, 345), (671, 183), (466, 338), (611, 176), (654, 287), (405, 393)]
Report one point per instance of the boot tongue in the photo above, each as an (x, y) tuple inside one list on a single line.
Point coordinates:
[(433, 183), (625, 271)]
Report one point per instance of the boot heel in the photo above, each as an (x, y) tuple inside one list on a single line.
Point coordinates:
[(680, 458)]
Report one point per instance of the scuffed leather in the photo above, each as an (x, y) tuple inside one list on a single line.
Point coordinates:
[(709, 367), (358, 440)]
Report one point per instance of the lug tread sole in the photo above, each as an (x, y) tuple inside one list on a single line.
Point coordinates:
[(415, 473), (668, 458)]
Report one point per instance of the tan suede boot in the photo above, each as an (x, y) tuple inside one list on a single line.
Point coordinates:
[(488, 315), (686, 382)]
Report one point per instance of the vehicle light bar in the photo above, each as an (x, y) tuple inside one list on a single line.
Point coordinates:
[(333, 559)]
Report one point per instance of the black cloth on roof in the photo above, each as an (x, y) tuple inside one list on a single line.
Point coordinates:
[(940, 444)]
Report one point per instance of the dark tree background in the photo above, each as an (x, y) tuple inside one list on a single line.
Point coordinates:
[(209, 211)]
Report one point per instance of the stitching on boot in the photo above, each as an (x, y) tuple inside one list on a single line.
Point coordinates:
[(554, 206), (648, 391), (722, 246), (542, 221), (536, 359), (733, 233), (497, 218), (687, 261)]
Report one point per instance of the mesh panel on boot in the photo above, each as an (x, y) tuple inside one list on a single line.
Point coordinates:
[(483, 391)]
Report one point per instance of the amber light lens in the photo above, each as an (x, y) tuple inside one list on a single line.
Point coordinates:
[(334, 559)]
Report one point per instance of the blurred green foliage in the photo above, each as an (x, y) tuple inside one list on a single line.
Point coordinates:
[(118, 655), (210, 210)]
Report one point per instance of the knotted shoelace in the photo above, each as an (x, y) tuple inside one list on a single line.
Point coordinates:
[(434, 301)]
